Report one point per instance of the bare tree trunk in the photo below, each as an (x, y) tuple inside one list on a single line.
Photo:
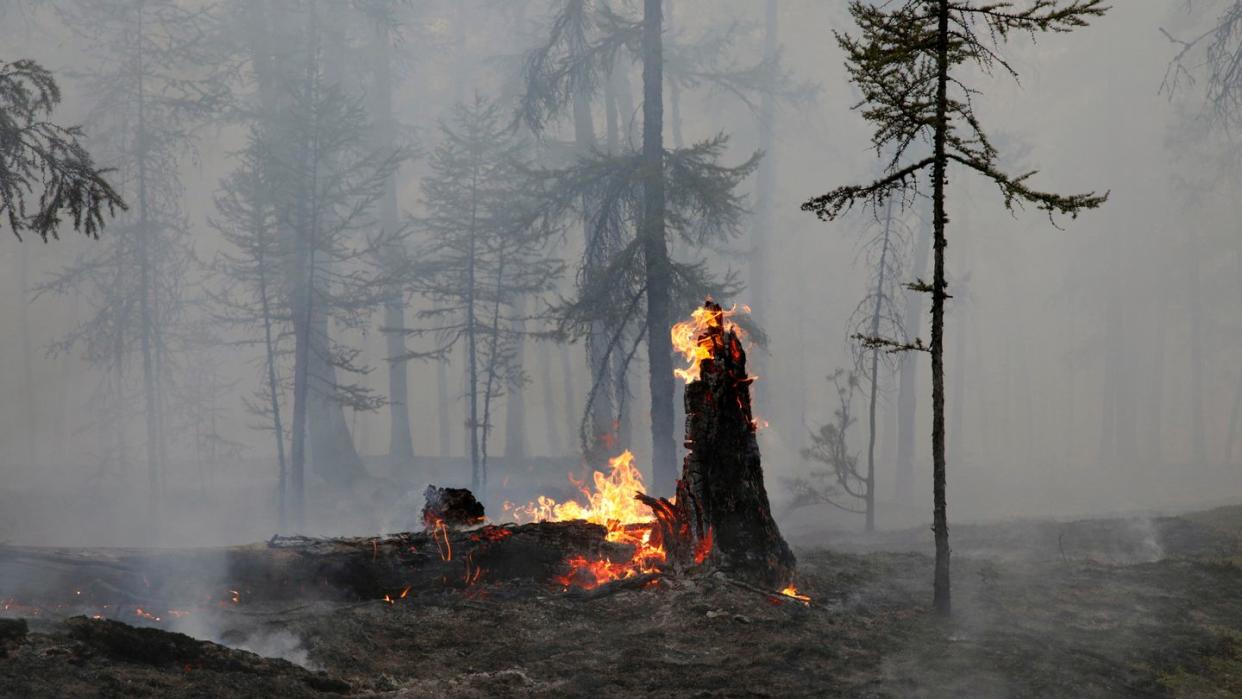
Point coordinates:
[(472, 354), (655, 252), (30, 412), (1236, 410), (145, 283), (443, 423), (1154, 451), (765, 183), (551, 426), (515, 403), (907, 380), (597, 343), (1194, 298), (940, 524), (568, 392), (491, 386), (273, 385), (872, 428), (400, 440)]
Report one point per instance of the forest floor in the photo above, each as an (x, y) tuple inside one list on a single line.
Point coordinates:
[(1116, 607)]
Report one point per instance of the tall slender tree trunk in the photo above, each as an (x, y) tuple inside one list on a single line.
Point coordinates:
[(1154, 450), (145, 273), (472, 342), (30, 411), (568, 392), (1194, 298), (491, 386), (273, 384), (400, 440), (872, 427), (655, 252), (764, 221), (907, 380), (551, 426), (1236, 411), (765, 178), (515, 402), (940, 524)]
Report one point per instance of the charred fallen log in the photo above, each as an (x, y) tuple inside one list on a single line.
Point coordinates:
[(297, 568), (721, 514)]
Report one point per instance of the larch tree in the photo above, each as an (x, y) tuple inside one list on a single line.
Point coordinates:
[(909, 62), (45, 171), (1214, 59), (383, 22), (878, 315), (486, 248), (633, 202), (326, 178), (151, 85), (249, 294), (844, 484)]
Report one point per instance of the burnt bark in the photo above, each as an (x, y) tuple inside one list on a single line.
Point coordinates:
[(721, 517)]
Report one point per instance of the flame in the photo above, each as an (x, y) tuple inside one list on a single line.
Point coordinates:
[(610, 503), (792, 592), (694, 343)]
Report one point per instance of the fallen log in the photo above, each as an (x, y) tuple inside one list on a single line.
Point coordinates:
[(294, 568)]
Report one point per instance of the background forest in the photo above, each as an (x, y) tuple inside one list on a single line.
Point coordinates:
[(411, 229)]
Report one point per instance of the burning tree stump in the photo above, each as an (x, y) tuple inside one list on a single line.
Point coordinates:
[(721, 515)]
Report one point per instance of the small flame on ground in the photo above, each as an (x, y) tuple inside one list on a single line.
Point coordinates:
[(792, 593)]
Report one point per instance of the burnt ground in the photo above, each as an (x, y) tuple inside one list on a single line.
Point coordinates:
[(1119, 607)]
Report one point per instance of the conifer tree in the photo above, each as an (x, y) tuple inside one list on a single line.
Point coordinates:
[(909, 61), (37, 156), (486, 248)]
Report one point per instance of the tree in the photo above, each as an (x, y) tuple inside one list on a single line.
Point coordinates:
[(877, 315), (486, 249), (843, 484), (37, 156), (152, 85), (907, 61), (325, 178), (632, 201), (385, 25), (1213, 56), (583, 56), (252, 295)]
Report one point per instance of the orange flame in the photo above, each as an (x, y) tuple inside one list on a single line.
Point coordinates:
[(610, 504), (792, 592), (442, 541), (691, 340)]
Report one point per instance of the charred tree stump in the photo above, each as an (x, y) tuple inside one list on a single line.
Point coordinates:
[(721, 515)]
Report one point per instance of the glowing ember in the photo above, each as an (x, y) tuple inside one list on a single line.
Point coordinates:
[(694, 343), (440, 534)]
